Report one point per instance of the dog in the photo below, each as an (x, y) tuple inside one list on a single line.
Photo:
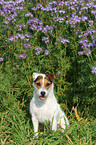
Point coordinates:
[(44, 106)]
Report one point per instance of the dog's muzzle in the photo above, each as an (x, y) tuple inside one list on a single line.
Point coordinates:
[(42, 97)]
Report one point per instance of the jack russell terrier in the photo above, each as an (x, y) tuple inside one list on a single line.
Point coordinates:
[(43, 105)]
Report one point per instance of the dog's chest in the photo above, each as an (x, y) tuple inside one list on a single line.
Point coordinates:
[(43, 113)]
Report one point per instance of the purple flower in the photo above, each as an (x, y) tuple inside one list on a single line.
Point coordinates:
[(38, 49), (2, 13), (19, 27), (62, 11), (84, 8), (24, 26), (58, 73), (58, 19), (38, 52), (1, 59), (62, 40), (74, 20), (93, 12), (27, 35), (54, 2), (35, 21), (45, 39), (26, 40), (90, 45), (80, 52), (39, 6), (34, 9), (23, 56), (86, 46), (8, 18), (48, 8), (46, 52), (33, 27), (59, 38), (61, 3), (17, 66), (84, 18), (11, 39), (28, 14), (39, 28), (87, 51), (90, 22), (6, 22), (21, 36), (27, 46), (48, 29), (55, 43), (94, 69)]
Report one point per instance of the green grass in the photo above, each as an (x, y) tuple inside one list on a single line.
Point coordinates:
[(16, 128)]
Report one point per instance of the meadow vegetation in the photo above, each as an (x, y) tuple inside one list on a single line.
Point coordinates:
[(48, 36)]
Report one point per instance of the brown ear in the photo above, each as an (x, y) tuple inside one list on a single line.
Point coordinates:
[(50, 76)]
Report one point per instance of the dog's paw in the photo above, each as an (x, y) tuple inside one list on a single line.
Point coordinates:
[(35, 135)]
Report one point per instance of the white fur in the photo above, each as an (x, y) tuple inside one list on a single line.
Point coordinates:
[(47, 109)]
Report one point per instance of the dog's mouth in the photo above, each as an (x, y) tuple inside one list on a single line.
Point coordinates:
[(42, 97)]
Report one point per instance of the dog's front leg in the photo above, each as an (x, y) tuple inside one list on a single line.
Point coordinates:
[(53, 122), (35, 124)]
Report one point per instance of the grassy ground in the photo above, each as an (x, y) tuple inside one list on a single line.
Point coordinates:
[(16, 128)]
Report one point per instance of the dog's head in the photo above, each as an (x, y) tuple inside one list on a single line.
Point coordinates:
[(42, 84)]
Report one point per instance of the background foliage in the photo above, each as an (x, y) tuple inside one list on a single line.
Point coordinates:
[(56, 37)]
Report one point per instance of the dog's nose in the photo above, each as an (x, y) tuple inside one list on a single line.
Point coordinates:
[(42, 93)]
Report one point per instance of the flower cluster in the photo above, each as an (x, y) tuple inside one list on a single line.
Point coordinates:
[(94, 69), (47, 29), (27, 46), (45, 39), (73, 13), (62, 40), (90, 22), (35, 24), (1, 59), (73, 21), (38, 49), (22, 56), (86, 45), (48, 7), (58, 19), (58, 73), (29, 14), (20, 27), (17, 36), (46, 52), (9, 10)]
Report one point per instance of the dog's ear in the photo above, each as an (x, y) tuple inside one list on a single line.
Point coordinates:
[(50, 76), (35, 75)]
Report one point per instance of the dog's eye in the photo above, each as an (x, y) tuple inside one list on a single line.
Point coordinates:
[(38, 84), (47, 84)]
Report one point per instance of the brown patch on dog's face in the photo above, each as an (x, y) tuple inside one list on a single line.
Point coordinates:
[(38, 82), (51, 77), (48, 81)]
